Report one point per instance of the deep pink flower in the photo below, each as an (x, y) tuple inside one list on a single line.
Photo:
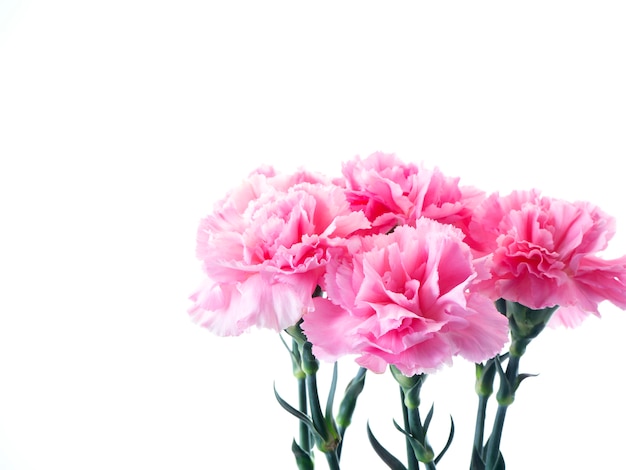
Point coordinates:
[(402, 299), (391, 193), (542, 252), (264, 249)]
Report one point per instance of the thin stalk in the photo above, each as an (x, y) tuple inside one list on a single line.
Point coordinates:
[(305, 436), (512, 368), (316, 409), (410, 455), (494, 441), (319, 420), (479, 430), (333, 460), (493, 450), (417, 430)]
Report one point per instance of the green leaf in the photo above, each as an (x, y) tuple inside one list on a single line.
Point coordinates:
[(331, 426), (303, 460), (331, 393), (500, 463), (447, 446), (522, 377), (392, 462), (422, 451), (298, 414), (429, 417), (477, 461)]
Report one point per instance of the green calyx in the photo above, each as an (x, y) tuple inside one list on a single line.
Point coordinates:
[(525, 324), (411, 386)]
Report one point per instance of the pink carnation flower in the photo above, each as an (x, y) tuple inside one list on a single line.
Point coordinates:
[(402, 299), (392, 193), (264, 249), (541, 252)]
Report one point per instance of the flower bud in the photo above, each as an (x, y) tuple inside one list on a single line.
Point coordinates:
[(485, 376)]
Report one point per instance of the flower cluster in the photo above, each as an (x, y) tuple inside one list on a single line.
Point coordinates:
[(399, 265), (410, 262)]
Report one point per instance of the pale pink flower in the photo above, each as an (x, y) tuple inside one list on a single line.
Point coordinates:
[(402, 299), (264, 249), (392, 192), (542, 252)]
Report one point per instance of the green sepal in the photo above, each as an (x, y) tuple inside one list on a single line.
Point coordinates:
[(303, 460), (525, 324), (411, 386), (310, 364), (348, 403), (423, 452), (296, 333), (448, 443), (392, 462)]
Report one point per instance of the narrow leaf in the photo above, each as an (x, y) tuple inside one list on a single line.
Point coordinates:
[(447, 446), (422, 451), (477, 461), (500, 463), (392, 462), (298, 414), (331, 393), (303, 459), (522, 377), (429, 417)]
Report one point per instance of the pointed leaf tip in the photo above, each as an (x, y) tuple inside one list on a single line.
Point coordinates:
[(392, 462)]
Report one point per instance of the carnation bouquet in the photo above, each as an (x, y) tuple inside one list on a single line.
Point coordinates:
[(400, 268)]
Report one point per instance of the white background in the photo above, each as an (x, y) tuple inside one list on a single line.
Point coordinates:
[(122, 122)]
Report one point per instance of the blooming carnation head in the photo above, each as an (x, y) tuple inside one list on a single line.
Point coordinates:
[(542, 252), (264, 249), (401, 298), (391, 193)]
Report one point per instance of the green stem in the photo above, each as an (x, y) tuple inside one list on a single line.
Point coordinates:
[(417, 430), (328, 447), (479, 431), (305, 436), (493, 450), (333, 460), (512, 368), (316, 409), (415, 424), (511, 374), (410, 455)]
